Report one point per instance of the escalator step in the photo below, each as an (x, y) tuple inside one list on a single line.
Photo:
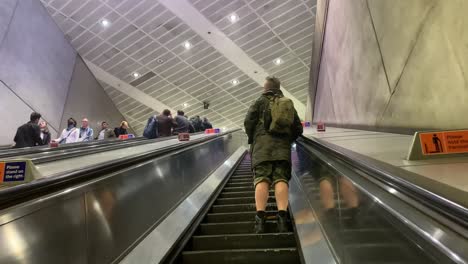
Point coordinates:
[(232, 208), (249, 181), (234, 228), (240, 194), (237, 217), (238, 189), (245, 241), (240, 200), (247, 184), (259, 256)]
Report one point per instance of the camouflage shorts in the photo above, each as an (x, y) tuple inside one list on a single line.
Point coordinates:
[(272, 172)]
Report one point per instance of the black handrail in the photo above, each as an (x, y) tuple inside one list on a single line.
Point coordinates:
[(10, 152), (76, 150), (395, 178), (21, 193)]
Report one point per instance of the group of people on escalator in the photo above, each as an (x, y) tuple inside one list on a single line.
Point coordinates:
[(164, 125), (36, 132)]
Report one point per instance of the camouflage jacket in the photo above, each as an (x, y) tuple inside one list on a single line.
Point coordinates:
[(267, 147)]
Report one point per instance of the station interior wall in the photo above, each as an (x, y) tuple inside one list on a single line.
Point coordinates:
[(392, 64), (40, 71)]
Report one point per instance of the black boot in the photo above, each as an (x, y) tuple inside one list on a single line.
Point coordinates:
[(260, 223), (282, 222)]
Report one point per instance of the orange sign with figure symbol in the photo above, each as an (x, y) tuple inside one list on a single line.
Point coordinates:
[(447, 142)]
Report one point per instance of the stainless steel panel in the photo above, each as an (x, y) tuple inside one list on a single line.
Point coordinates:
[(99, 221), (172, 227), (123, 207), (53, 234), (312, 241)]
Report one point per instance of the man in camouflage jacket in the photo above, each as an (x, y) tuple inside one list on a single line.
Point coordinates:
[(271, 156)]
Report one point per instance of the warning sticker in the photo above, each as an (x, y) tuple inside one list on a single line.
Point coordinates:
[(444, 142), (2, 170)]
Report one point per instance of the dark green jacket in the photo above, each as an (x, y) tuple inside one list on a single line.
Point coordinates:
[(267, 147)]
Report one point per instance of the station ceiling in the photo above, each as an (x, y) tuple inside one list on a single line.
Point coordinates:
[(181, 53)]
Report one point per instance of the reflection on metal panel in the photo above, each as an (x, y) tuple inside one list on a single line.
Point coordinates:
[(54, 234), (314, 246), (121, 208), (172, 227)]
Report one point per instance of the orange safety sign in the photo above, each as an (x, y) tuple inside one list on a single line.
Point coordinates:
[(2, 170), (447, 142)]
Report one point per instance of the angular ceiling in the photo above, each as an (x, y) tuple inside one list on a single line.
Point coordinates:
[(148, 36)]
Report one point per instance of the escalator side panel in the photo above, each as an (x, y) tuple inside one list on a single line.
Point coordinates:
[(171, 228)]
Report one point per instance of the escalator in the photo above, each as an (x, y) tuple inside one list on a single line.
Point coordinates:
[(226, 233)]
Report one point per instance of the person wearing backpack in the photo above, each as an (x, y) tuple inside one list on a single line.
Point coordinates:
[(151, 128), (272, 125)]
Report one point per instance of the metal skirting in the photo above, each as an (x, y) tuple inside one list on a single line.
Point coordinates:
[(313, 242), (159, 242)]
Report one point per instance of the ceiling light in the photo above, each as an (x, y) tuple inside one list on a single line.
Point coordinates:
[(160, 61), (233, 18), (185, 105), (278, 61), (105, 22), (187, 45), (224, 128), (136, 75), (235, 82)]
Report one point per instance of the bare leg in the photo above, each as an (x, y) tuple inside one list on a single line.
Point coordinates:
[(261, 195), (326, 195), (349, 193), (281, 194)]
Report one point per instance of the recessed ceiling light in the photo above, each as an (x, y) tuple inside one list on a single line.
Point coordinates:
[(160, 61), (233, 18), (224, 128), (105, 22), (278, 61), (187, 45), (185, 105), (136, 75), (235, 82)]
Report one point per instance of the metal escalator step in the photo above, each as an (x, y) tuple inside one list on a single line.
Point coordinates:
[(239, 189), (244, 241), (240, 200), (234, 228), (246, 184), (232, 208), (258, 256), (249, 181), (236, 217), (250, 193)]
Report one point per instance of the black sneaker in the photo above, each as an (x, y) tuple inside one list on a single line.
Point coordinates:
[(282, 222), (259, 224)]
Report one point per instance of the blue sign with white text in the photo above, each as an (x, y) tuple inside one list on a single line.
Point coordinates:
[(14, 171)]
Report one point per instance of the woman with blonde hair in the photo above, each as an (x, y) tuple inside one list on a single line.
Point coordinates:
[(122, 130)]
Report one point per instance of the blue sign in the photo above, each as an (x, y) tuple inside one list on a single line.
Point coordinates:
[(131, 136), (14, 171)]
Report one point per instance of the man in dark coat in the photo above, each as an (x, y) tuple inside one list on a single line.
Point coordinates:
[(29, 134), (165, 123), (271, 156)]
